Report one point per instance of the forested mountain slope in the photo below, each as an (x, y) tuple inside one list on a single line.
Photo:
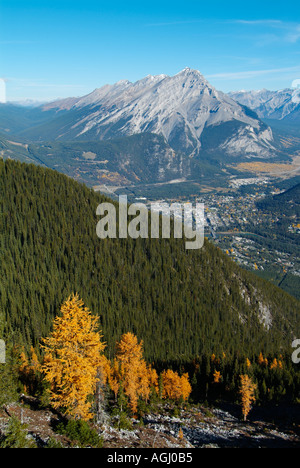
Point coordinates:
[(181, 303), (287, 202)]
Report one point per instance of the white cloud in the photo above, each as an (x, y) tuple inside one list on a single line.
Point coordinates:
[(294, 36), (281, 30), (252, 73), (267, 22)]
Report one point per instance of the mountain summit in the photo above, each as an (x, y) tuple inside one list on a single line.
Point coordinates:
[(185, 109)]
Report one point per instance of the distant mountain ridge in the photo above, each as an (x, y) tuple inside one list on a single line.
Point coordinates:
[(185, 109), (156, 130), (278, 105)]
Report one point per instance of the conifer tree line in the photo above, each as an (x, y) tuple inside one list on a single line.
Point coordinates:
[(196, 312)]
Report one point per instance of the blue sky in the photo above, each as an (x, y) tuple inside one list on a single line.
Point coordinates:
[(52, 49)]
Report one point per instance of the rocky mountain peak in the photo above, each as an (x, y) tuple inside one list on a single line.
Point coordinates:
[(180, 108)]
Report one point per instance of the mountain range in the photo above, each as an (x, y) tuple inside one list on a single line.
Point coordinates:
[(281, 105), (181, 108), (158, 129)]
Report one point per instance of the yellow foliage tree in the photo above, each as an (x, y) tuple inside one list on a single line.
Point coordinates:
[(186, 388), (247, 391), (153, 379), (73, 355), (131, 370), (29, 370), (174, 386), (262, 360), (276, 364), (114, 377), (217, 376)]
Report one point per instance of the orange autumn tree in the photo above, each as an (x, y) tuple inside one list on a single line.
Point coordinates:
[(73, 356), (153, 379), (131, 371), (276, 364), (186, 388), (113, 376), (29, 371), (174, 386), (247, 391), (262, 361), (217, 376)]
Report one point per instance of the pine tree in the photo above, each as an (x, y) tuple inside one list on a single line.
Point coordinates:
[(9, 384), (73, 355), (16, 436)]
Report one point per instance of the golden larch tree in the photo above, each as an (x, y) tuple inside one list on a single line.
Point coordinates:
[(274, 364), (29, 371), (132, 369), (153, 379), (186, 388), (217, 376), (174, 386), (171, 385), (73, 355), (113, 374), (261, 359), (247, 391)]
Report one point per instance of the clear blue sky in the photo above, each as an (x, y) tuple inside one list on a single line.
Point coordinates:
[(51, 49)]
